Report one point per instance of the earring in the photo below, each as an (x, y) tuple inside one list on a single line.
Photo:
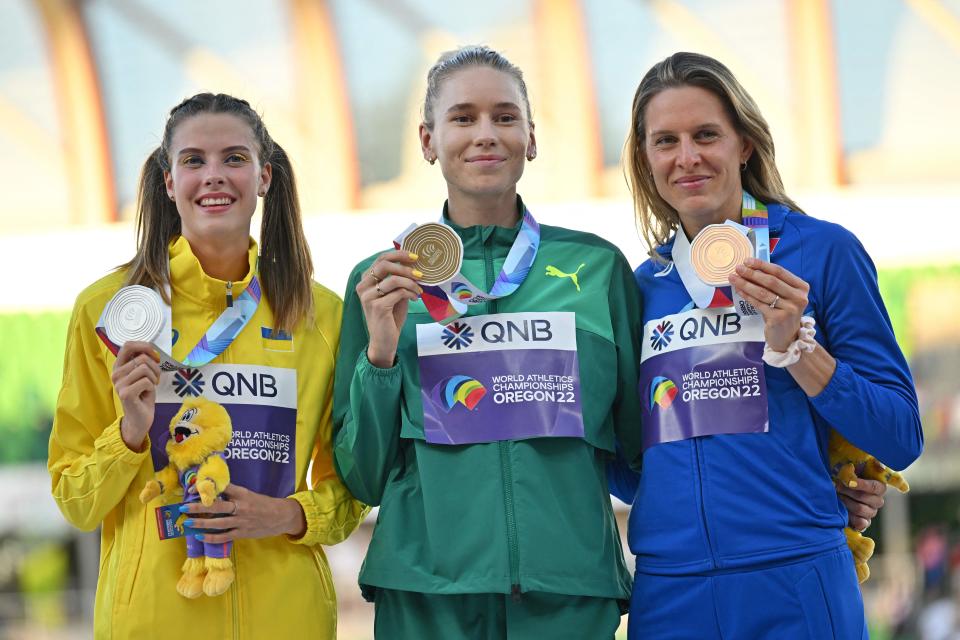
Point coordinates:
[(743, 167), (531, 156), (432, 159), (262, 193), (172, 197)]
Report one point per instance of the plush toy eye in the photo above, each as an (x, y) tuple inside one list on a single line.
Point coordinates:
[(189, 414)]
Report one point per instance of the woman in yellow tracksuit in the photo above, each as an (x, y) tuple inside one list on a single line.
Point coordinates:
[(198, 193)]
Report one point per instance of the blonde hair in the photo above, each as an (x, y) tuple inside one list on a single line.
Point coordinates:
[(761, 178), (450, 62), (286, 268)]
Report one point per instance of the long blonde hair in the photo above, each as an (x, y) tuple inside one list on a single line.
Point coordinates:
[(761, 178), (286, 268)]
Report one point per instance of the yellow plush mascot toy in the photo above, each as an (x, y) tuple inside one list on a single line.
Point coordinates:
[(199, 433), (846, 463)]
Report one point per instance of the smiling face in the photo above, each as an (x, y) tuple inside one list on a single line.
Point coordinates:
[(481, 134), (695, 153), (215, 177)]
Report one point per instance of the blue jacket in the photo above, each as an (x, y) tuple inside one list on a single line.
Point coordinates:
[(726, 502)]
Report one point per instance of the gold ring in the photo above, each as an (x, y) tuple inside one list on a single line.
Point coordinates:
[(773, 305), (379, 290), (374, 276)]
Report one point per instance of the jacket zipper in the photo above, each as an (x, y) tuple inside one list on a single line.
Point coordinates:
[(703, 506), (234, 596), (506, 469), (234, 554)]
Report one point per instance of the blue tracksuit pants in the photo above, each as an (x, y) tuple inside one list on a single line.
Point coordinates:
[(816, 598)]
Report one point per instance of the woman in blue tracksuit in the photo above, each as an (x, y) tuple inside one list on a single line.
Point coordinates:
[(736, 525)]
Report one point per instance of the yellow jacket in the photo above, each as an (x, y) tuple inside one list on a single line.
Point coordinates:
[(283, 587)]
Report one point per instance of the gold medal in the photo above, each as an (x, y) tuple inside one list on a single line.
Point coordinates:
[(716, 252), (439, 251)]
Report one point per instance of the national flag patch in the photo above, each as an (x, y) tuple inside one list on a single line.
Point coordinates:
[(275, 340)]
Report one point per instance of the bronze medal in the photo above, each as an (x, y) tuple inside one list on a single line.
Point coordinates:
[(439, 251), (716, 252)]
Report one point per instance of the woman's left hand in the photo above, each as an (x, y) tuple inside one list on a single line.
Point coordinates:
[(247, 514), (777, 294), (862, 503)]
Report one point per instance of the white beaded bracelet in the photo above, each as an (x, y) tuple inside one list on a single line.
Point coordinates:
[(804, 342)]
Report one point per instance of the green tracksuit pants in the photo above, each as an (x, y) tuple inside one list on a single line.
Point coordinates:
[(406, 615)]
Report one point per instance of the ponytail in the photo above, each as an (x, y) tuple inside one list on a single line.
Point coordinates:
[(286, 269), (158, 222)]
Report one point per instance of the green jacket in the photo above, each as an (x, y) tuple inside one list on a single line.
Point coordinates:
[(508, 516)]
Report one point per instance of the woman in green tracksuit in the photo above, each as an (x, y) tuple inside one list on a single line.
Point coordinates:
[(484, 441)]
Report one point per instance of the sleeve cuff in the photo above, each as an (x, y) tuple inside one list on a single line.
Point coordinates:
[(836, 389), (323, 525), (311, 514), (370, 370), (112, 443)]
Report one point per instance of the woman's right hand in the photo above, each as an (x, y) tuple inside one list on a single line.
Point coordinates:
[(136, 374), (384, 291)]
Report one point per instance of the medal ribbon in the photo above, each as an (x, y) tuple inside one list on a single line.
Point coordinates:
[(755, 222), (449, 300), (215, 341)]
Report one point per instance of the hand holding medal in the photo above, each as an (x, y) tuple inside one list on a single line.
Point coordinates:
[(133, 319), (384, 291), (777, 294), (136, 374)]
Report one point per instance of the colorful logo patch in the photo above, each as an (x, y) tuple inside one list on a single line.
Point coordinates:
[(461, 291), (457, 335), (188, 382), (661, 335), (463, 389), (662, 392)]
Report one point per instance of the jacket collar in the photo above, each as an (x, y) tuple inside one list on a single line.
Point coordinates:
[(475, 237), (189, 280)]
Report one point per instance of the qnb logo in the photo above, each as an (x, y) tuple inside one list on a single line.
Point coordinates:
[(188, 382), (662, 335), (457, 336)]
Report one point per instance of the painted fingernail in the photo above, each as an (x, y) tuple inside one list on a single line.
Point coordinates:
[(199, 536), (413, 256), (417, 273), (184, 508), (188, 523)]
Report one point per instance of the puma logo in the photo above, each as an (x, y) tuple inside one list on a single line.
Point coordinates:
[(553, 271)]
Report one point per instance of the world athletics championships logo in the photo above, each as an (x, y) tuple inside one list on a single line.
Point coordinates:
[(188, 382), (461, 291), (463, 389), (661, 335), (457, 336), (662, 392)]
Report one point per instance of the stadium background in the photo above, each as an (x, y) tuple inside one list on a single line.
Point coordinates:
[(862, 97)]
